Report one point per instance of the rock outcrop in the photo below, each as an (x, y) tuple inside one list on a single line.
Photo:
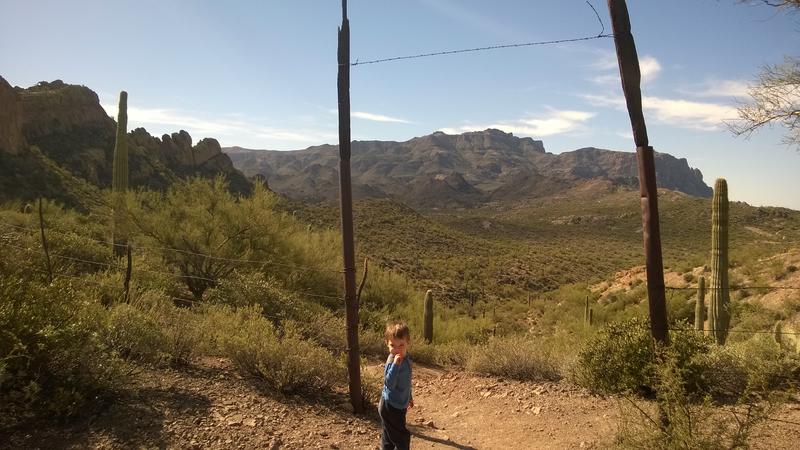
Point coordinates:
[(11, 138), (68, 125)]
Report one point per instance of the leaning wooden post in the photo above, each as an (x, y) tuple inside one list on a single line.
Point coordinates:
[(631, 78), (346, 195), (44, 243)]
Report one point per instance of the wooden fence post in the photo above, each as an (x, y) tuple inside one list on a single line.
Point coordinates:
[(631, 79), (346, 195), (44, 243)]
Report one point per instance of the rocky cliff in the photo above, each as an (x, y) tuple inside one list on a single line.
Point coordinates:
[(68, 125), (441, 170), (11, 138)]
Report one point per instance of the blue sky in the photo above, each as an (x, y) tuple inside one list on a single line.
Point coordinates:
[(262, 74)]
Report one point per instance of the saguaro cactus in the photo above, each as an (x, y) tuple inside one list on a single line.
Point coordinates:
[(427, 330), (120, 173), (700, 305), (719, 306)]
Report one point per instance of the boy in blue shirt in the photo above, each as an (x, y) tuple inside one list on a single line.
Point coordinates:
[(396, 397)]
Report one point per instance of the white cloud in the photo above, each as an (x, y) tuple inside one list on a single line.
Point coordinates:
[(719, 88), (556, 122), (231, 129), (649, 67), (678, 112), (377, 117)]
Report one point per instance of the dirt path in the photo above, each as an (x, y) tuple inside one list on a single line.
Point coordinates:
[(210, 406)]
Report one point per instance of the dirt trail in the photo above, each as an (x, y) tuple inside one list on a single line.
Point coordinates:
[(209, 406)]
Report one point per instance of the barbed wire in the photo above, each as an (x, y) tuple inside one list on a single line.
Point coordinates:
[(150, 247), (158, 272), (774, 332), (733, 288), (599, 35)]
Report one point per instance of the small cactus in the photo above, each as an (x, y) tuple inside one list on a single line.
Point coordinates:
[(427, 330), (700, 305), (590, 317), (719, 305), (777, 332)]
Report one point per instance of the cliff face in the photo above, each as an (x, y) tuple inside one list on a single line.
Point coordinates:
[(11, 138), (68, 125), (441, 170)]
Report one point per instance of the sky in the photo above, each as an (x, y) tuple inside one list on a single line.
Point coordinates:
[(262, 74)]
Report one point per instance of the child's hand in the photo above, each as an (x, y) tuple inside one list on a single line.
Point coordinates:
[(398, 358), (411, 404)]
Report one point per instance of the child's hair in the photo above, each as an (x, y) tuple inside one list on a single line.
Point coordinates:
[(397, 330)]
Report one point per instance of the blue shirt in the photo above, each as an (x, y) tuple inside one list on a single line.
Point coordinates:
[(397, 383)]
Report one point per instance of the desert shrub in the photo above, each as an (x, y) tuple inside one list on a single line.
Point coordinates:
[(371, 384), (185, 333), (286, 362), (756, 365), (513, 357), (52, 356), (246, 289), (134, 334), (621, 358), (677, 420)]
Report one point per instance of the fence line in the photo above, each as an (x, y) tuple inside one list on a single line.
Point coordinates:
[(178, 250), (599, 35), (117, 267)]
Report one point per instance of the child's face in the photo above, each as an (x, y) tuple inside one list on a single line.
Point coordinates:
[(397, 346)]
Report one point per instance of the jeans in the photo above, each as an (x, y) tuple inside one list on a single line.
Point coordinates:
[(395, 435)]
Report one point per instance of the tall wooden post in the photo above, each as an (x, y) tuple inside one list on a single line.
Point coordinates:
[(346, 195), (631, 79)]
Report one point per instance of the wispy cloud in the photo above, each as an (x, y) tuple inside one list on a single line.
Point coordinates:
[(683, 113), (231, 128), (649, 67), (556, 122), (377, 117), (719, 88)]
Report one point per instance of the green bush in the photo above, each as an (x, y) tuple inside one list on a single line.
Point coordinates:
[(679, 420), (52, 355), (621, 358), (513, 357), (134, 334), (287, 362)]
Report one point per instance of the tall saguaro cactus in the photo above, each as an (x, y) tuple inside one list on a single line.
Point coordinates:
[(427, 330), (119, 183), (700, 305), (719, 306)]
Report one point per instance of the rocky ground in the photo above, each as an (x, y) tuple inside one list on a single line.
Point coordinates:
[(208, 405)]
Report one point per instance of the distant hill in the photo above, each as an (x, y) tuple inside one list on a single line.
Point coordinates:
[(441, 170), (54, 124)]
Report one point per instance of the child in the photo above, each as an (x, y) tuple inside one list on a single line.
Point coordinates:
[(396, 396)]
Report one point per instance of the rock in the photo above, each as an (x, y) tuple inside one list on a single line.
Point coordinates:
[(536, 410), (429, 424), (250, 422), (456, 414), (275, 444), (234, 421), (11, 138)]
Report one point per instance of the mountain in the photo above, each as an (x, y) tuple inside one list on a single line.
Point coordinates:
[(57, 125), (465, 170)]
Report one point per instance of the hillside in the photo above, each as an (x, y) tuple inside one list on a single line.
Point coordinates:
[(451, 171), (54, 124), (585, 234)]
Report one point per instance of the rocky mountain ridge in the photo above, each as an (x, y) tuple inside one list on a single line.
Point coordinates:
[(441, 170)]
